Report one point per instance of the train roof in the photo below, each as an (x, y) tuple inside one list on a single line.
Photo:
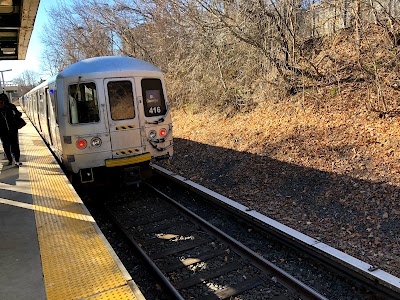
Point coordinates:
[(104, 64)]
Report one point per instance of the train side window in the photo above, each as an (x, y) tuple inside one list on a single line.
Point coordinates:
[(83, 104), (34, 103), (41, 105), (52, 94), (120, 95), (153, 98), (55, 108)]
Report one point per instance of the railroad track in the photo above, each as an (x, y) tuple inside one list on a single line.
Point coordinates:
[(325, 269), (360, 280), (196, 260)]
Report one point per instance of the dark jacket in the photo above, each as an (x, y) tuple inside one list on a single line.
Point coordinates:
[(8, 117)]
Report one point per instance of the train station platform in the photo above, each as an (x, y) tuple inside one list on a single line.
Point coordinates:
[(50, 246)]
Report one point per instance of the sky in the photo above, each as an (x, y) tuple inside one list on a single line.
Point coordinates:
[(33, 54)]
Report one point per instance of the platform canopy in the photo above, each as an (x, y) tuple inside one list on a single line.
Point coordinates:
[(17, 18)]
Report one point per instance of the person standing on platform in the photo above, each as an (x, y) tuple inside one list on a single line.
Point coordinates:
[(12, 106), (9, 129)]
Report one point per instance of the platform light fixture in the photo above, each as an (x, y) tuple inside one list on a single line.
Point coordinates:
[(6, 2), (8, 50), (6, 7)]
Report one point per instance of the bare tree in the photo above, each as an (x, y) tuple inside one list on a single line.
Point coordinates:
[(220, 53), (26, 81), (74, 33)]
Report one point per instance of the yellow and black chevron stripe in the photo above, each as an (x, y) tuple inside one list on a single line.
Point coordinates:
[(129, 151), (128, 160), (124, 127)]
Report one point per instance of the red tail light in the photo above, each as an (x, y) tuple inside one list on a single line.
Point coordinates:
[(81, 144), (163, 132)]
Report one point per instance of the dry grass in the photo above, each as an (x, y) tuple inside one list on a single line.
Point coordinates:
[(334, 176), (353, 143)]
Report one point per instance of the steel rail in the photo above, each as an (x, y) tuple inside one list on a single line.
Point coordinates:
[(172, 290)]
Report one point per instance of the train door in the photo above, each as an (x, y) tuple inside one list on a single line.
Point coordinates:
[(47, 104), (53, 120), (123, 117), (40, 109)]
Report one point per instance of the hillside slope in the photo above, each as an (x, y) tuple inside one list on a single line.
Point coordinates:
[(334, 177), (323, 162)]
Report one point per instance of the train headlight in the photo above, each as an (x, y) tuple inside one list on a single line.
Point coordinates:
[(163, 132), (152, 134), (95, 142), (81, 144)]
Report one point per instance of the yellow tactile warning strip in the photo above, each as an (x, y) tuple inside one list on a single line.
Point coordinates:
[(120, 293), (76, 262)]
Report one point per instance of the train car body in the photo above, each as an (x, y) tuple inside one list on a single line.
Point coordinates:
[(103, 113)]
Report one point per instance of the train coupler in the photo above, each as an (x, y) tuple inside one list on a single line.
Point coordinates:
[(131, 176)]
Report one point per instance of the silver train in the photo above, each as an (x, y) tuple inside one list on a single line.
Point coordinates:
[(104, 117)]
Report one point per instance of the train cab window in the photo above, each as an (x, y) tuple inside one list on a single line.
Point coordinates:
[(153, 98), (120, 95), (83, 104)]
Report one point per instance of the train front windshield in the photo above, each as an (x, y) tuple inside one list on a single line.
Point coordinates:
[(83, 103), (120, 94)]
